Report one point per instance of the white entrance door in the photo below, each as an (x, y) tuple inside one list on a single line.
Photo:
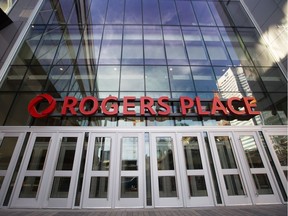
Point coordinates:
[(278, 146), (49, 171), (10, 147), (99, 172), (167, 188), (256, 168), (197, 190), (129, 181)]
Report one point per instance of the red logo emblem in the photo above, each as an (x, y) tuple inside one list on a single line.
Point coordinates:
[(34, 102)]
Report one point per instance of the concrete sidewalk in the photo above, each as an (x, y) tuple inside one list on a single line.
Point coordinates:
[(262, 210)]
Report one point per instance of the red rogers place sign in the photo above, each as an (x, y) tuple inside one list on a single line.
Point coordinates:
[(109, 106)]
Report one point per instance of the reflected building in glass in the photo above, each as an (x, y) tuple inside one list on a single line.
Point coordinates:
[(141, 48)]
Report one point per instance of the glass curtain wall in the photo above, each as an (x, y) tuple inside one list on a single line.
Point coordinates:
[(142, 48)]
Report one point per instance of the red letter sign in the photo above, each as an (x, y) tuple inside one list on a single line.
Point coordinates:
[(34, 102)]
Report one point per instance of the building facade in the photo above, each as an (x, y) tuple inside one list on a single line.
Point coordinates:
[(140, 103)]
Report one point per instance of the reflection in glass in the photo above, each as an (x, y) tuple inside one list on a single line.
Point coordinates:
[(225, 152), (168, 12), (262, 184), (60, 188), (132, 78), (133, 12), (39, 152), (111, 16), (129, 155), (29, 187), (197, 186), (192, 153), (7, 146), (204, 79), (167, 186), (98, 187), (156, 78), (59, 78), (67, 153), (181, 79), (233, 185), (186, 13), (251, 151), (101, 156), (1, 180), (280, 146), (165, 156), (97, 12), (151, 13), (129, 187), (107, 78), (203, 13)]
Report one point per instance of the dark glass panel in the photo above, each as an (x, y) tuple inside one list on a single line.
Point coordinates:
[(132, 78), (203, 13), (67, 153), (151, 12), (154, 46), (62, 12), (133, 12), (14, 78), (195, 46), (45, 12), (233, 185), (175, 48), (115, 12), (129, 187), (280, 102), (7, 145), (59, 78), (186, 13), (219, 13), (29, 187), (97, 12), (225, 152), (38, 156), (180, 78), (197, 186), (35, 78), (204, 79), (60, 187), (262, 184), (98, 187), (168, 12), (167, 186), (156, 78), (83, 79), (192, 153)]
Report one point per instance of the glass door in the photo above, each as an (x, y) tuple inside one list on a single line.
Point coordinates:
[(67, 155), (165, 171), (256, 168), (98, 179), (129, 183), (232, 182), (195, 171), (10, 147), (30, 185)]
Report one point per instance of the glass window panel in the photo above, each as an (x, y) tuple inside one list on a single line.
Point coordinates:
[(219, 13), (97, 12), (154, 46), (129, 155), (112, 17), (35, 78), (48, 45), (151, 13), (233, 185), (14, 78), (1, 180), (195, 46), (6, 100), (83, 79), (132, 45), (29, 45), (186, 13), (132, 78), (165, 156), (225, 152), (131, 122), (90, 46), (159, 121), (204, 79), (188, 122), (192, 153), (39, 153), (60, 187), (238, 14), (59, 78), (256, 47), (7, 146), (133, 12), (156, 78), (101, 156), (68, 48), (45, 12), (203, 13), (181, 79), (280, 146), (174, 44), (168, 12), (29, 187), (197, 186), (62, 12), (129, 187), (107, 78), (106, 122), (167, 186), (262, 184), (111, 45), (251, 151), (98, 187), (67, 153), (216, 49), (235, 47)]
